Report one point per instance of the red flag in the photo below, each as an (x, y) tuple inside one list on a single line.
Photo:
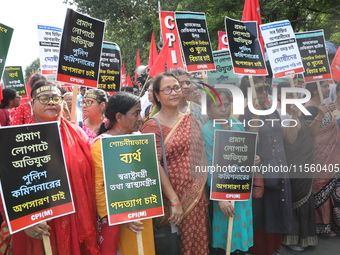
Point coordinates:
[(335, 66), (129, 81), (123, 76), (159, 66), (138, 63), (1, 92), (251, 12), (222, 41), (153, 53)]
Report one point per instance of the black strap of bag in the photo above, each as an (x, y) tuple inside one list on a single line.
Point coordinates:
[(174, 229)]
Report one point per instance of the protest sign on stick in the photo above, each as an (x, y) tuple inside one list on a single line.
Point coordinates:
[(110, 68), (314, 56), (246, 53), (171, 40), (34, 181), (80, 50), (13, 78), (233, 154), (282, 49), (49, 43), (195, 41), (131, 178), (5, 39)]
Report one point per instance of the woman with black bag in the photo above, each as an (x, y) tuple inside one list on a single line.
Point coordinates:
[(272, 213), (183, 188)]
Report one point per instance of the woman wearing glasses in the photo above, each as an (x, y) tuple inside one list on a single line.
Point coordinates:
[(74, 233), (183, 188), (272, 213), (186, 106), (93, 105)]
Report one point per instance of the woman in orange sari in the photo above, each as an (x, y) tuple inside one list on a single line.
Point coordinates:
[(183, 188)]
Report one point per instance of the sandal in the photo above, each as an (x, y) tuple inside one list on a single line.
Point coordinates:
[(296, 248)]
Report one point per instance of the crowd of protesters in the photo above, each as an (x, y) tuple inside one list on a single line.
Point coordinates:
[(293, 209)]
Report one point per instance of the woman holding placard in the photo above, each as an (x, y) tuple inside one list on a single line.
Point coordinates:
[(122, 117), (73, 234), (242, 232), (183, 188), (272, 213)]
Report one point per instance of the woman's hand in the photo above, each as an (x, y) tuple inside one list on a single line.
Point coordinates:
[(227, 208), (322, 110), (134, 226), (176, 214), (38, 230), (331, 106)]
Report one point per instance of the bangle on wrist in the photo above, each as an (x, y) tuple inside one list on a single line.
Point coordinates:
[(180, 202)]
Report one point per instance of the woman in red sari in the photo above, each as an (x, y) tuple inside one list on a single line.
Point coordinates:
[(73, 234), (184, 149)]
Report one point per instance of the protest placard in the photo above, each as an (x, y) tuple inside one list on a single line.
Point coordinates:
[(49, 38), (170, 35), (110, 68), (14, 79), (233, 158), (5, 39), (34, 180), (314, 56), (282, 49), (194, 41), (224, 70), (80, 50), (222, 41), (132, 184), (246, 53)]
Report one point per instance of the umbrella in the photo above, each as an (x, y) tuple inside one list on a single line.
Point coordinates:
[(331, 47)]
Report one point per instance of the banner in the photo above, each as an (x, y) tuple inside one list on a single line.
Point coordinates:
[(224, 70), (132, 184), (5, 39), (314, 56), (49, 43), (282, 49), (195, 41), (222, 41), (80, 50), (14, 79), (233, 158), (34, 180), (246, 53), (110, 68), (170, 33)]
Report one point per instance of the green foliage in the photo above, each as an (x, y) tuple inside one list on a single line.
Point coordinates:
[(32, 68), (130, 23)]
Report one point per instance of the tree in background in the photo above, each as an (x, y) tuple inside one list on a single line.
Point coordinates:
[(32, 68)]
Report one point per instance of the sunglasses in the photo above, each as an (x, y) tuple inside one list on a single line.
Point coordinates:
[(44, 99)]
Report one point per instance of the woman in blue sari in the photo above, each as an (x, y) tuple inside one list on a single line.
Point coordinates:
[(242, 233)]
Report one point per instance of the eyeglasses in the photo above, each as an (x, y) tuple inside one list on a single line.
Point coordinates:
[(19, 97), (184, 82), (266, 88), (168, 90), (87, 103), (44, 99)]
